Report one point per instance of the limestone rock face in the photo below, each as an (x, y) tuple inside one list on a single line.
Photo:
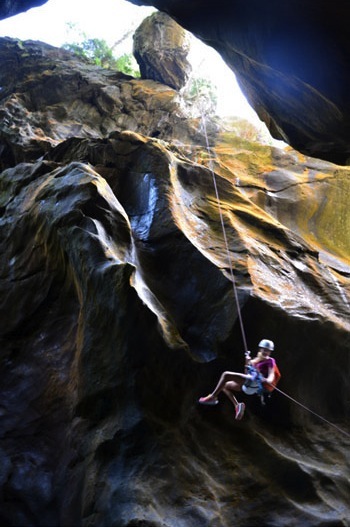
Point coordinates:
[(48, 95), (161, 48), (131, 269), (116, 296)]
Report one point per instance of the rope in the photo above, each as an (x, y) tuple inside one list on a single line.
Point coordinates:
[(234, 281), (312, 412), (224, 233)]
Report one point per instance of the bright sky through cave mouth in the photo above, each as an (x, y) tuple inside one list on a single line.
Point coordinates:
[(112, 19)]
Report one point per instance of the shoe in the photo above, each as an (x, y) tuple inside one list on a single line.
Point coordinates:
[(240, 411), (209, 400)]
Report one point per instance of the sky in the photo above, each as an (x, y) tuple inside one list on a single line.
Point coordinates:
[(110, 20)]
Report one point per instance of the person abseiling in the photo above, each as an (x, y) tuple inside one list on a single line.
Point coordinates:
[(260, 375)]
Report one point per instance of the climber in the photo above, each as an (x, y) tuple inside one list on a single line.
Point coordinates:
[(259, 371)]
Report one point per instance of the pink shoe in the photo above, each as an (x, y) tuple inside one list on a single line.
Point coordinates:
[(209, 400), (240, 411)]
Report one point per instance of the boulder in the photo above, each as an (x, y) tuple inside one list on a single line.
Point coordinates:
[(161, 48)]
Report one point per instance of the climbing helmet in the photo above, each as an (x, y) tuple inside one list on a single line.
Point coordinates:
[(267, 344)]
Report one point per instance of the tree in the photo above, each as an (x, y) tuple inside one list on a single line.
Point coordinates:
[(94, 49), (98, 52), (127, 64)]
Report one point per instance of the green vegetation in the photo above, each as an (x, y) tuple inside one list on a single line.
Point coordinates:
[(94, 49), (127, 64), (201, 93), (98, 52)]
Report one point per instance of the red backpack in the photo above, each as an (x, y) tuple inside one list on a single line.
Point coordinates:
[(271, 386)]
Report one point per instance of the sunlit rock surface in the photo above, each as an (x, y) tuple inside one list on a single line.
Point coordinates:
[(118, 311), (161, 48)]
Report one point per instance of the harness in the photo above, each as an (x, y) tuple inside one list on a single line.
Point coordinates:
[(255, 382)]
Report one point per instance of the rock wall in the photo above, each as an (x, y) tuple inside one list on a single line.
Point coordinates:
[(118, 311), (58, 96)]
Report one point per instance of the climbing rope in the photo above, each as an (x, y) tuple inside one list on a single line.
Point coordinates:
[(235, 292), (211, 168), (312, 412)]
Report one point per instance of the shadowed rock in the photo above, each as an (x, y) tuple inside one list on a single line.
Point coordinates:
[(14, 7), (291, 60), (109, 240)]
